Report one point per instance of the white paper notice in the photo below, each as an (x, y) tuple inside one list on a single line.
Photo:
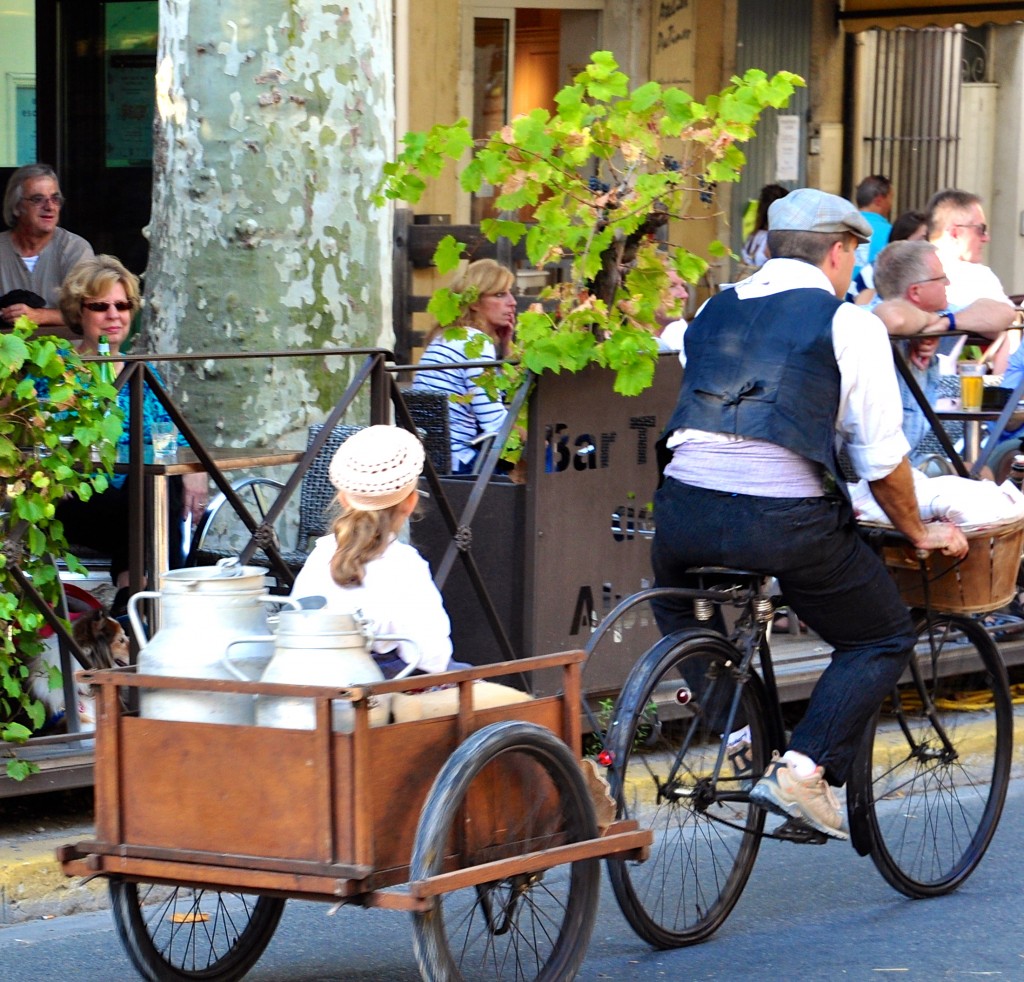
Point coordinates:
[(787, 149)]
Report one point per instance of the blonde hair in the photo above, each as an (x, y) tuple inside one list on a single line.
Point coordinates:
[(90, 278), (488, 277), (360, 536)]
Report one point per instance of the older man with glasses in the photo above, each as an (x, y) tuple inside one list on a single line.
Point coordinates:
[(913, 272), (36, 255), (957, 228)]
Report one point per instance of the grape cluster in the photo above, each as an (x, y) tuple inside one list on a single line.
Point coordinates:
[(598, 186)]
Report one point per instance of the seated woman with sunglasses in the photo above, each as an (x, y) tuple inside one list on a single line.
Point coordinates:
[(98, 299)]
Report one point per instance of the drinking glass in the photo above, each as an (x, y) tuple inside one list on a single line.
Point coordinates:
[(165, 439), (971, 386)]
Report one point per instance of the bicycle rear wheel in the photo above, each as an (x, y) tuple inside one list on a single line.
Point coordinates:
[(665, 740), (931, 776)]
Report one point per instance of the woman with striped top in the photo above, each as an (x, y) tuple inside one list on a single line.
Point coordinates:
[(491, 312)]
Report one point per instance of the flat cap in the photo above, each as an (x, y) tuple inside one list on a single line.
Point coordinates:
[(811, 210)]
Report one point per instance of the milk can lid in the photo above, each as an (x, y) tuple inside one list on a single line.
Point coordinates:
[(227, 572)]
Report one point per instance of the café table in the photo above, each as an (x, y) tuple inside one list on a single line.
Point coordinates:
[(154, 523), (972, 420)]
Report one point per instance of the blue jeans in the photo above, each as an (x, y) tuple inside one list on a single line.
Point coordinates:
[(829, 576)]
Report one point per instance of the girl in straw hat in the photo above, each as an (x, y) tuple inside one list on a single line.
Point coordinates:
[(362, 566)]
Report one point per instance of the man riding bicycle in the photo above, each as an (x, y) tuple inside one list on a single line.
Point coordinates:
[(779, 372)]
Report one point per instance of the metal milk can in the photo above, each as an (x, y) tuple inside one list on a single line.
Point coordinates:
[(318, 647), (202, 610)]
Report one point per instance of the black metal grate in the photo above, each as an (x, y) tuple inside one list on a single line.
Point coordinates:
[(911, 125)]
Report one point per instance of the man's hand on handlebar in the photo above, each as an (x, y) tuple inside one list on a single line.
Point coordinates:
[(945, 537)]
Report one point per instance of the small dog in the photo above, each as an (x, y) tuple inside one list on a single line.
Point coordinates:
[(101, 638), (105, 643)]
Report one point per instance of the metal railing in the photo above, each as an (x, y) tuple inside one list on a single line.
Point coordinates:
[(386, 401)]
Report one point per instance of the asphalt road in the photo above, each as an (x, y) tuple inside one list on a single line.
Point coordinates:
[(809, 913)]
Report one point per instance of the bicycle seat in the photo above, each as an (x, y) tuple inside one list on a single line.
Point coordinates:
[(720, 574), (729, 570)]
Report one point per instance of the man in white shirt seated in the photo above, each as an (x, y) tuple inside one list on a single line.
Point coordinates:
[(977, 301)]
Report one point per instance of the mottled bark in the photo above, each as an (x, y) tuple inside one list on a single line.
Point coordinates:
[(273, 121)]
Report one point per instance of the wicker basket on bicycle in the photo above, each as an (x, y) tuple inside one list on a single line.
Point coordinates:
[(985, 579)]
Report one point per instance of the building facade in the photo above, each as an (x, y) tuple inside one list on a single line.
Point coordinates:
[(931, 93)]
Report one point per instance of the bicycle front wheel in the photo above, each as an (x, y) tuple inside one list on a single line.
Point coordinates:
[(932, 774), (666, 740)]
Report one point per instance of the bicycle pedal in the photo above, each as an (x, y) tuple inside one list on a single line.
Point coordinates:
[(793, 830)]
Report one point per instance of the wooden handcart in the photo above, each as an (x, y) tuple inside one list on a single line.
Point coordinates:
[(480, 823)]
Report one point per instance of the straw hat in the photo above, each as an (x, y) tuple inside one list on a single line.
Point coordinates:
[(377, 467)]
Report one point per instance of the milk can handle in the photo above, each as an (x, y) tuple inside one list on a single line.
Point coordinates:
[(268, 598), (136, 622), (226, 661), (133, 614), (231, 666)]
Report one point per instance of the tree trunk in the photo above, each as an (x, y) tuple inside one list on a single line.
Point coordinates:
[(273, 120)]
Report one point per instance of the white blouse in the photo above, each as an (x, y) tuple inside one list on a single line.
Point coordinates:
[(397, 596)]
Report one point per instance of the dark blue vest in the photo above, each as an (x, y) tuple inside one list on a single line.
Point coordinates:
[(765, 369)]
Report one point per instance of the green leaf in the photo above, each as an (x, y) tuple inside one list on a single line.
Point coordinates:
[(13, 352), (690, 267), (531, 133), (497, 228), (54, 679), (645, 96), (444, 306), (454, 140), (18, 769), (448, 254), (36, 713)]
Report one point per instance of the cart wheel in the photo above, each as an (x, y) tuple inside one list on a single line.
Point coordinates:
[(175, 932), (510, 789)]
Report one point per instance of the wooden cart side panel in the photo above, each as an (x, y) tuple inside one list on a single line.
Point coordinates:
[(108, 759), (259, 791), (410, 756), (220, 788)]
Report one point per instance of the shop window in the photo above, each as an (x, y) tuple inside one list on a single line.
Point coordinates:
[(129, 52), (521, 57)]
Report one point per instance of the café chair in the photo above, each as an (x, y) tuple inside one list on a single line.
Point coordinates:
[(429, 411), (934, 460), (220, 533)]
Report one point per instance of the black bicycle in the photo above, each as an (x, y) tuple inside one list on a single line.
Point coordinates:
[(923, 799)]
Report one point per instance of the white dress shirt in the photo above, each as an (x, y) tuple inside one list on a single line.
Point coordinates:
[(869, 421), (969, 282)]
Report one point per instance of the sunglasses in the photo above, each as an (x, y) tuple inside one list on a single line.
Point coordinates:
[(101, 306), (982, 227), (38, 200)]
